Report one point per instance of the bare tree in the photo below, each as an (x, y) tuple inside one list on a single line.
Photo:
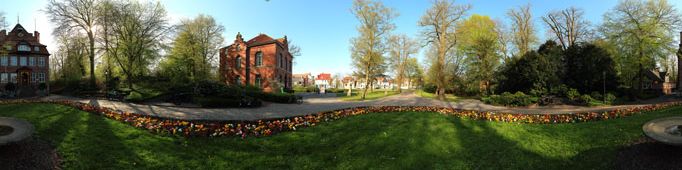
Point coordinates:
[(78, 15), (568, 26), (503, 39), (402, 48), (523, 30), (367, 50), (439, 23)]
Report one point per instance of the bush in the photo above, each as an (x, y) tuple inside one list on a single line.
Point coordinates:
[(335, 90), (134, 97), (274, 97), (218, 102), (508, 99), (429, 88), (586, 99), (596, 95), (10, 87), (572, 94), (560, 90), (609, 98)]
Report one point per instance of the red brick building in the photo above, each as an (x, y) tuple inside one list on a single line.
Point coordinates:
[(262, 61), (24, 62)]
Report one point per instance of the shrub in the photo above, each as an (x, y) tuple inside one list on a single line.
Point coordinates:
[(429, 88), (274, 97), (560, 90), (572, 94), (134, 97), (335, 90), (311, 89), (609, 98), (509, 99), (586, 99), (596, 95), (10, 87)]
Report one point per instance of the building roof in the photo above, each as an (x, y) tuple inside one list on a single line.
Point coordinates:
[(263, 39), (324, 76), (656, 75), (301, 75)]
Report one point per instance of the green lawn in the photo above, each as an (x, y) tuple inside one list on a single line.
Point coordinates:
[(357, 93), (407, 140), (448, 97)]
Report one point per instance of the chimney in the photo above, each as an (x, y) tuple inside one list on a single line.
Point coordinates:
[(37, 35)]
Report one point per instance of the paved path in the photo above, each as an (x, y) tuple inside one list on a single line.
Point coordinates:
[(314, 104)]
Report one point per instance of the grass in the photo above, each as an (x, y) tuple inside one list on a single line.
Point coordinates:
[(356, 94), (407, 140), (448, 97)]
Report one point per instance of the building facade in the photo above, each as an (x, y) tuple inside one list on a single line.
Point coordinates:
[(304, 79), (262, 61), (324, 80), (24, 62)]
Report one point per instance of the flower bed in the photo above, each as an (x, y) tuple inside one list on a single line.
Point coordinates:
[(274, 126)]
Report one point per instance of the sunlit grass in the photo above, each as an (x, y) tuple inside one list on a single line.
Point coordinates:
[(357, 94), (448, 97)]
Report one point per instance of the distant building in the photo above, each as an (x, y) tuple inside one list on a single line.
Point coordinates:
[(262, 61), (658, 81), (324, 80), (304, 79), (24, 61)]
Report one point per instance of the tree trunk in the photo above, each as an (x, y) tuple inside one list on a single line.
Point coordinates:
[(91, 38)]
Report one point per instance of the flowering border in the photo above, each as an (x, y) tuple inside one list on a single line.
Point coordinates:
[(268, 127)]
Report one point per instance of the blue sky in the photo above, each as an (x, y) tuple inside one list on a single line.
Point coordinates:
[(322, 28)]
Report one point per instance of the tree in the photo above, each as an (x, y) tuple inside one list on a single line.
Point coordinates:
[(194, 49), (479, 42), (76, 15), (523, 29), (3, 23), (401, 50), (137, 33), (568, 26), (591, 68), (439, 23), (535, 70), (413, 72), (368, 49), (642, 33)]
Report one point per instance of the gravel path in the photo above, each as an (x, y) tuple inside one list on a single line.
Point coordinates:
[(315, 103)]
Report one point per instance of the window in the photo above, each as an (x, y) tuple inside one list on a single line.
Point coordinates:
[(259, 58), (13, 77), (23, 47), (3, 78), (22, 61), (3, 61), (237, 80), (41, 61), (279, 60), (41, 77), (258, 81), (13, 61), (34, 77), (31, 61), (36, 49), (238, 62)]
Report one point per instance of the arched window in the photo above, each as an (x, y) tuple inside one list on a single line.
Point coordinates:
[(238, 62), (259, 58)]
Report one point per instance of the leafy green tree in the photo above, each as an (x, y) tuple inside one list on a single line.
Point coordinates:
[(194, 50), (137, 33), (589, 68), (368, 49), (541, 70), (478, 40), (642, 33)]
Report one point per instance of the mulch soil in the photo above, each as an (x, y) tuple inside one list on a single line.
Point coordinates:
[(646, 153), (29, 154)]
